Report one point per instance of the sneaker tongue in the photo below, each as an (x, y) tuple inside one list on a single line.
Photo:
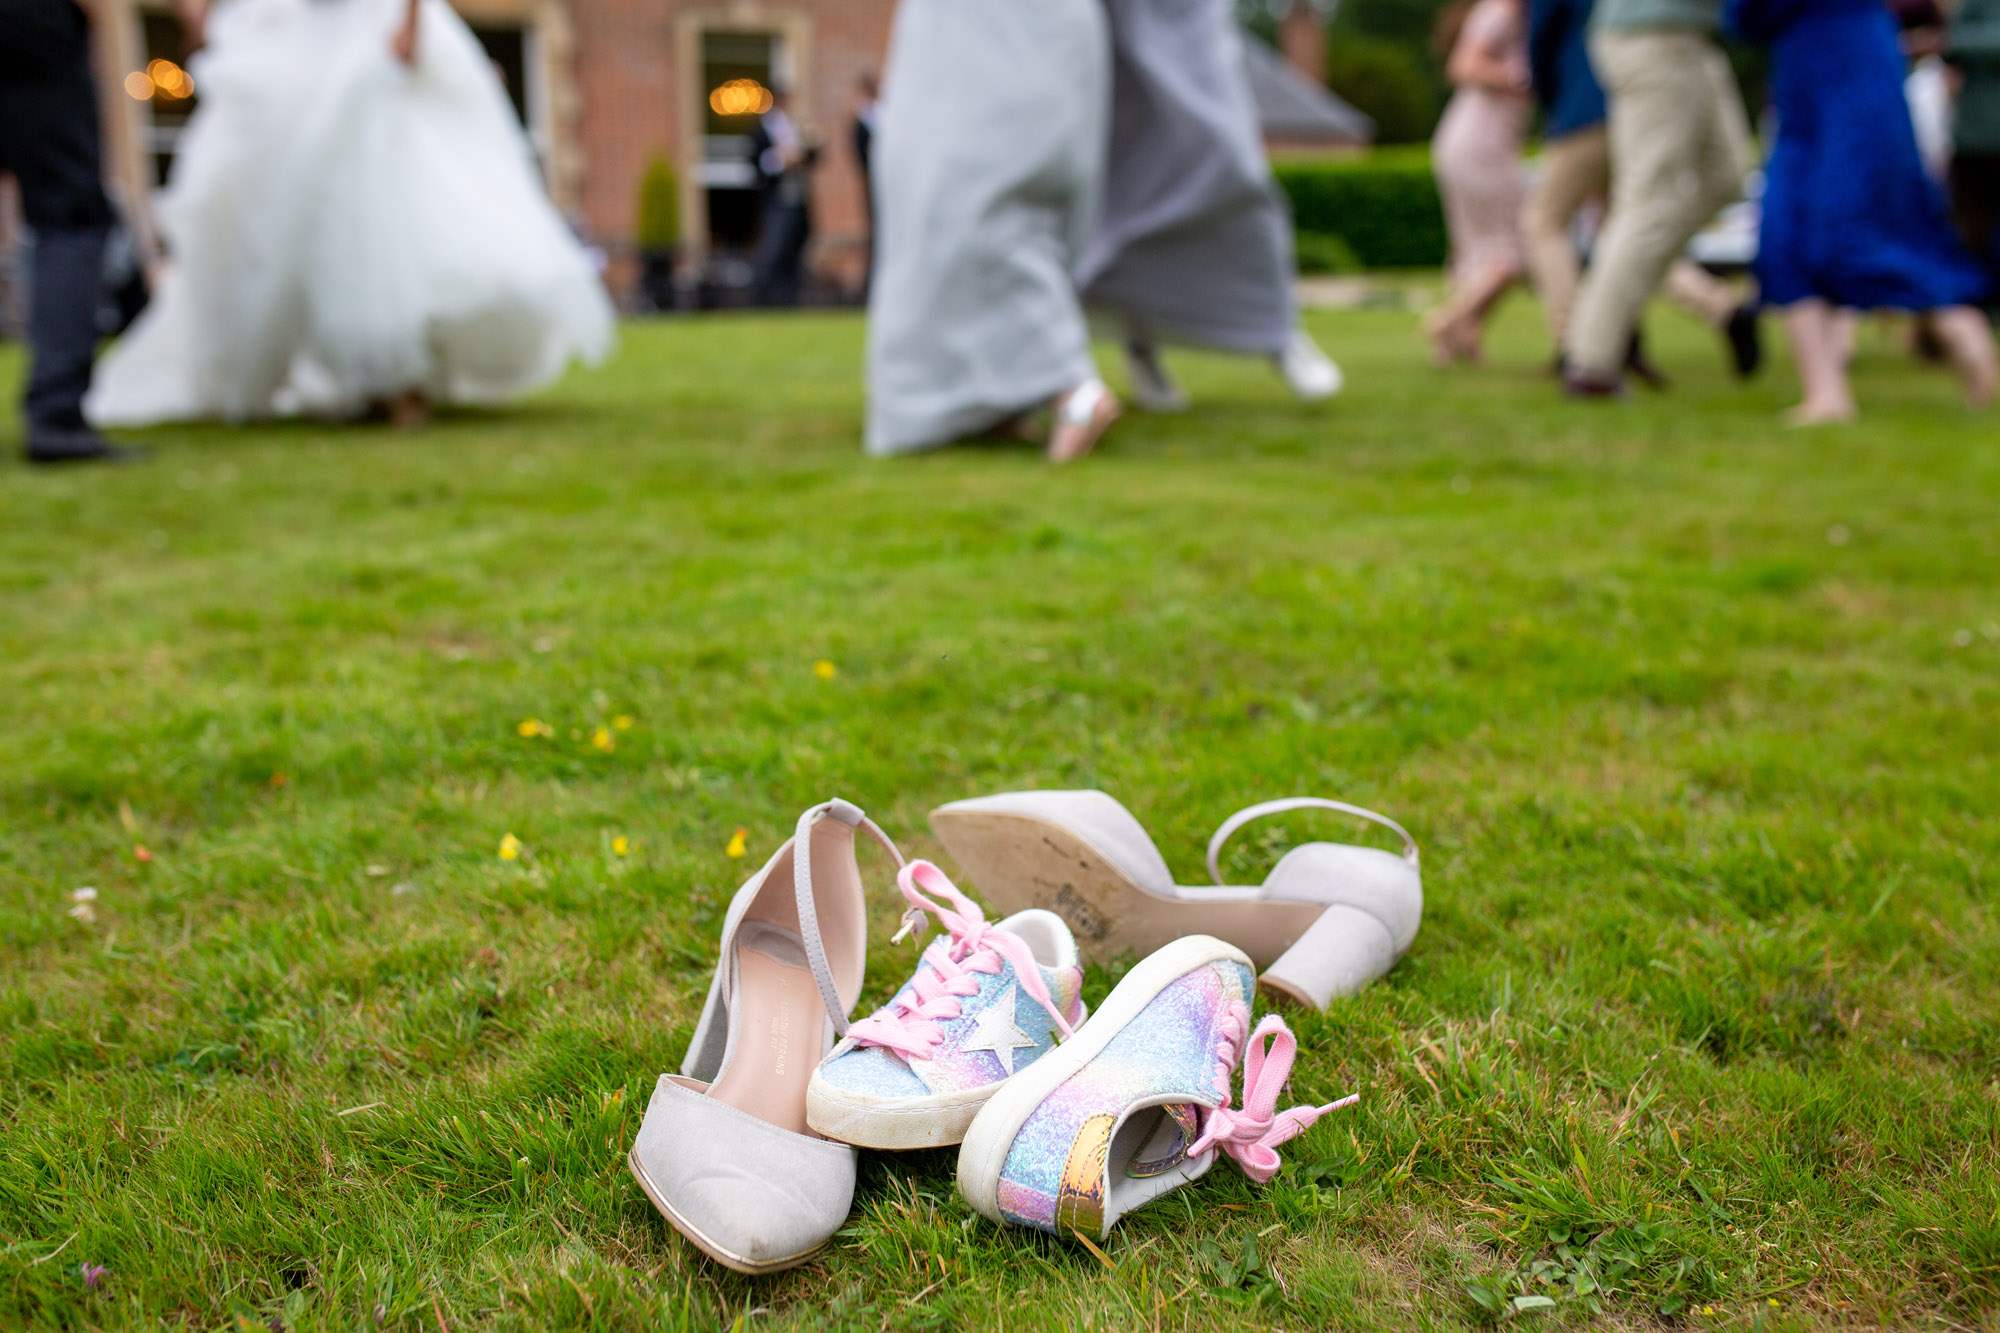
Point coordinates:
[(1166, 1147)]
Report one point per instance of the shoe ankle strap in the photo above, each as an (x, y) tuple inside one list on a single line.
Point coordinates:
[(849, 814), (1260, 810)]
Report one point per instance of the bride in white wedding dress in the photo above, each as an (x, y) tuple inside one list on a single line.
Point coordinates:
[(353, 222)]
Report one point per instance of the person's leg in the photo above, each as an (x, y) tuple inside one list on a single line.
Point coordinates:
[(1153, 386), (1575, 168), (1456, 326), (1699, 292), (62, 326), (48, 137), (1722, 307), (1726, 156), (1809, 326), (1968, 341), (1660, 124)]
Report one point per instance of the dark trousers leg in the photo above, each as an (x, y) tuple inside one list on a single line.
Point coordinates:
[(780, 251), (48, 139), (62, 324)]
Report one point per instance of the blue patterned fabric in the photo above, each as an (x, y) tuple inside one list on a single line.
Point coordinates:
[(1849, 215)]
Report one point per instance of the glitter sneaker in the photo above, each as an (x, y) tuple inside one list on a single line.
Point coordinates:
[(987, 1001), (1136, 1104)]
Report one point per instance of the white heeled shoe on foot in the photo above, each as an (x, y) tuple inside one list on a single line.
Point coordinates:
[(724, 1152), (1327, 920)]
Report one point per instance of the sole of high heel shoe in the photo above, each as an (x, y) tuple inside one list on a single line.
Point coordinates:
[(991, 1137), (694, 1237), (1019, 861)]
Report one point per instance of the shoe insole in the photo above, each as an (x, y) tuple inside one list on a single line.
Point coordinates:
[(1019, 861), (777, 1029)]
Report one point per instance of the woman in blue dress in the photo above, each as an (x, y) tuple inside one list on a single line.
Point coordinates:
[(1850, 219)]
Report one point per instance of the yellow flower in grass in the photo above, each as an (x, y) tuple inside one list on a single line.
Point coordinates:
[(620, 845), (602, 740), (825, 670), (623, 722), (510, 848), (738, 844), (532, 727)]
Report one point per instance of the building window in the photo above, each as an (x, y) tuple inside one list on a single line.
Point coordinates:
[(738, 69), (163, 85)]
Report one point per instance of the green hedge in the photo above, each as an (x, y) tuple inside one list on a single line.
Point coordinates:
[(1384, 206)]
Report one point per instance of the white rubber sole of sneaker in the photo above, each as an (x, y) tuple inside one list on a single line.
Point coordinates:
[(992, 1133), (894, 1123), (899, 1124)]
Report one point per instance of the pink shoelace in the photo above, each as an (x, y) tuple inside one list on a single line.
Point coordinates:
[(1253, 1132), (911, 1023)]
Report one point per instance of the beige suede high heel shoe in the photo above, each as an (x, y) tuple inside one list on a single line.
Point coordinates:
[(724, 1152), (1327, 920)]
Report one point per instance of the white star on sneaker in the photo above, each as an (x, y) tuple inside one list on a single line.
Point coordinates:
[(997, 1031)]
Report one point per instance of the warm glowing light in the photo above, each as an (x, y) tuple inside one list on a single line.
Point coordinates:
[(740, 97), (170, 79), (137, 85)]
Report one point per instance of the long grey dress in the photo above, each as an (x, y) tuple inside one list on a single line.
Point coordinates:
[(1195, 241), (988, 167)]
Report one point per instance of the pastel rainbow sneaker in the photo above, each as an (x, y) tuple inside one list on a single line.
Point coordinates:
[(987, 1001), (1136, 1104)]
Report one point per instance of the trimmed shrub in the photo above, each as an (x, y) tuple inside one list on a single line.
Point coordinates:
[(1326, 252), (1388, 81), (659, 228), (1384, 206)]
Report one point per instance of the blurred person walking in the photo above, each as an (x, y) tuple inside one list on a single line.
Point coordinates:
[(784, 162), (1973, 50), (1476, 155), (867, 107), (369, 238), (989, 165), (49, 141), (1850, 220), (1576, 172), (1679, 150), (1195, 241)]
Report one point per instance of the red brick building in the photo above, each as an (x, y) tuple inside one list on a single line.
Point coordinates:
[(606, 86), (603, 87)]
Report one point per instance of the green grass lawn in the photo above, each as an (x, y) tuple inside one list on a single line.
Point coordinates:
[(1696, 721)]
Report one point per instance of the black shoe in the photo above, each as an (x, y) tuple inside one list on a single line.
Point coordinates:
[(1746, 348), (1590, 384), (78, 444), (1643, 370)]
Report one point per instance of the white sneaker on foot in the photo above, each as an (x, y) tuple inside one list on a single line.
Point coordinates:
[(1154, 388), (1311, 372)]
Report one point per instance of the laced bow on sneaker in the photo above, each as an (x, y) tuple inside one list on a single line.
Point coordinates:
[(911, 1024), (1253, 1132)]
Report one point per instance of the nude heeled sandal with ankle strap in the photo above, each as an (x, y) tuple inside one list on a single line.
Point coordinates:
[(1328, 919)]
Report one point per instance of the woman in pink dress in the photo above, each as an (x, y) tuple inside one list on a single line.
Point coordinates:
[(1476, 154)]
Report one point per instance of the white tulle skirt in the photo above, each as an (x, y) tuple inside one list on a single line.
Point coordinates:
[(342, 228)]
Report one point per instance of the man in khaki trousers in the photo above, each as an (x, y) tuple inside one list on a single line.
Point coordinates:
[(1679, 151), (1576, 170)]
